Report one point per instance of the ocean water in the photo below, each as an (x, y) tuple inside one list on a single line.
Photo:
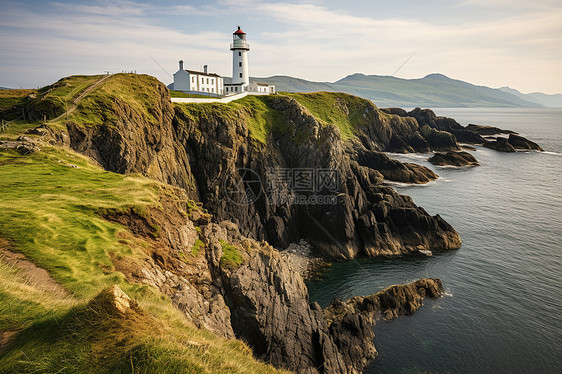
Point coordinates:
[(502, 312)]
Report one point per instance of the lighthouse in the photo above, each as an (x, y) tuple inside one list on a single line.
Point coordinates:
[(240, 48)]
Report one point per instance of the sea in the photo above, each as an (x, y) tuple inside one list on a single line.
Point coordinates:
[(502, 310)]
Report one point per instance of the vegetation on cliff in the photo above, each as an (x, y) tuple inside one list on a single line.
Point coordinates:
[(130, 223), (52, 206)]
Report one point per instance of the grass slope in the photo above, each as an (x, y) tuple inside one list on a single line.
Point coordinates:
[(340, 109), (50, 204), (255, 111)]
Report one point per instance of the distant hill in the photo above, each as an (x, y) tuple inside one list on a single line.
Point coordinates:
[(434, 90), (551, 101)]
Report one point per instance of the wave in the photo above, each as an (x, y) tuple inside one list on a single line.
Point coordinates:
[(552, 153), (404, 184)]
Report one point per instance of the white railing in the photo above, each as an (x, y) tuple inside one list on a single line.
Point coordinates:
[(241, 45)]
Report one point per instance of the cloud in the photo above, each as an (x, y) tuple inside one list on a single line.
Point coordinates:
[(326, 44), (40, 47), (302, 39)]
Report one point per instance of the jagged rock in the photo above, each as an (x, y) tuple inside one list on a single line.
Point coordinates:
[(454, 159), (428, 117), (113, 301), (350, 322), (519, 142), (135, 142), (39, 130), (22, 146), (488, 130), (270, 311), (27, 148), (398, 111), (500, 144), (306, 144), (23, 138), (394, 170)]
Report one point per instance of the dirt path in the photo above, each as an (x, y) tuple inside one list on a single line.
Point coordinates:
[(5, 337), (80, 97), (38, 277)]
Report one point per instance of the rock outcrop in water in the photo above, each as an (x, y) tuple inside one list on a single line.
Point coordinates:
[(487, 130), (349, 321), (454, 159), (512, 144), (472, 134), (238, 287)]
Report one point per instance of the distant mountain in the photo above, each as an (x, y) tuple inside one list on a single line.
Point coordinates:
[(434, 91), (552, 101)]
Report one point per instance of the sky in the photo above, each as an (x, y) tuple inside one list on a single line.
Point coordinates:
[(516, 43)]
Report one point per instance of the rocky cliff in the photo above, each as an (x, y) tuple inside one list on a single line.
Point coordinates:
[(237, 287), (204, 148), (222, 270)]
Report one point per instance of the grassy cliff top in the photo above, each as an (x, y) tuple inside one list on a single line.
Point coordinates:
[(347, 112), (51, 204), (97, 101)]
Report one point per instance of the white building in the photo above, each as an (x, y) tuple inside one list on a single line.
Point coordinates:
[(262, 88), (197, 82), (240, 72), (191, 81)]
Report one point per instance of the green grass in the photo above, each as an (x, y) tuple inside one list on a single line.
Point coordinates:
[(197, 246), (91, 338), (231, 257), (12, 102), (69, 88), (342, 110), (141, 94), (51, 212), (254, 111), (187, 95)]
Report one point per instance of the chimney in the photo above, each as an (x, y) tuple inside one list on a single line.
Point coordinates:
[(181, 64), (205, 69)]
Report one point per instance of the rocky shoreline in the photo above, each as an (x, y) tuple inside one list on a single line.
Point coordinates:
[(460, 158), (237, 267), (301, 259)]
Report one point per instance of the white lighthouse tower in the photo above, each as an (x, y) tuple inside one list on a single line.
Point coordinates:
[(240, 48)]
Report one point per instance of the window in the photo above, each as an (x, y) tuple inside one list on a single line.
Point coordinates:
[(239, 53), (236, 89), (207, 80), (240, 64), (240, 75)]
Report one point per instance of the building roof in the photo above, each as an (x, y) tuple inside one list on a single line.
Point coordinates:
[(239, 31), (201, 73), (263, 84)]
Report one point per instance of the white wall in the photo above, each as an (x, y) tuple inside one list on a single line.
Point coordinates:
[(181, 81), (240, 57), (208, 84)]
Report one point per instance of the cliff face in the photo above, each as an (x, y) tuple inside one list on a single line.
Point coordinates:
[(204, 148), (366, 217), (222, 270), (237, 287)]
